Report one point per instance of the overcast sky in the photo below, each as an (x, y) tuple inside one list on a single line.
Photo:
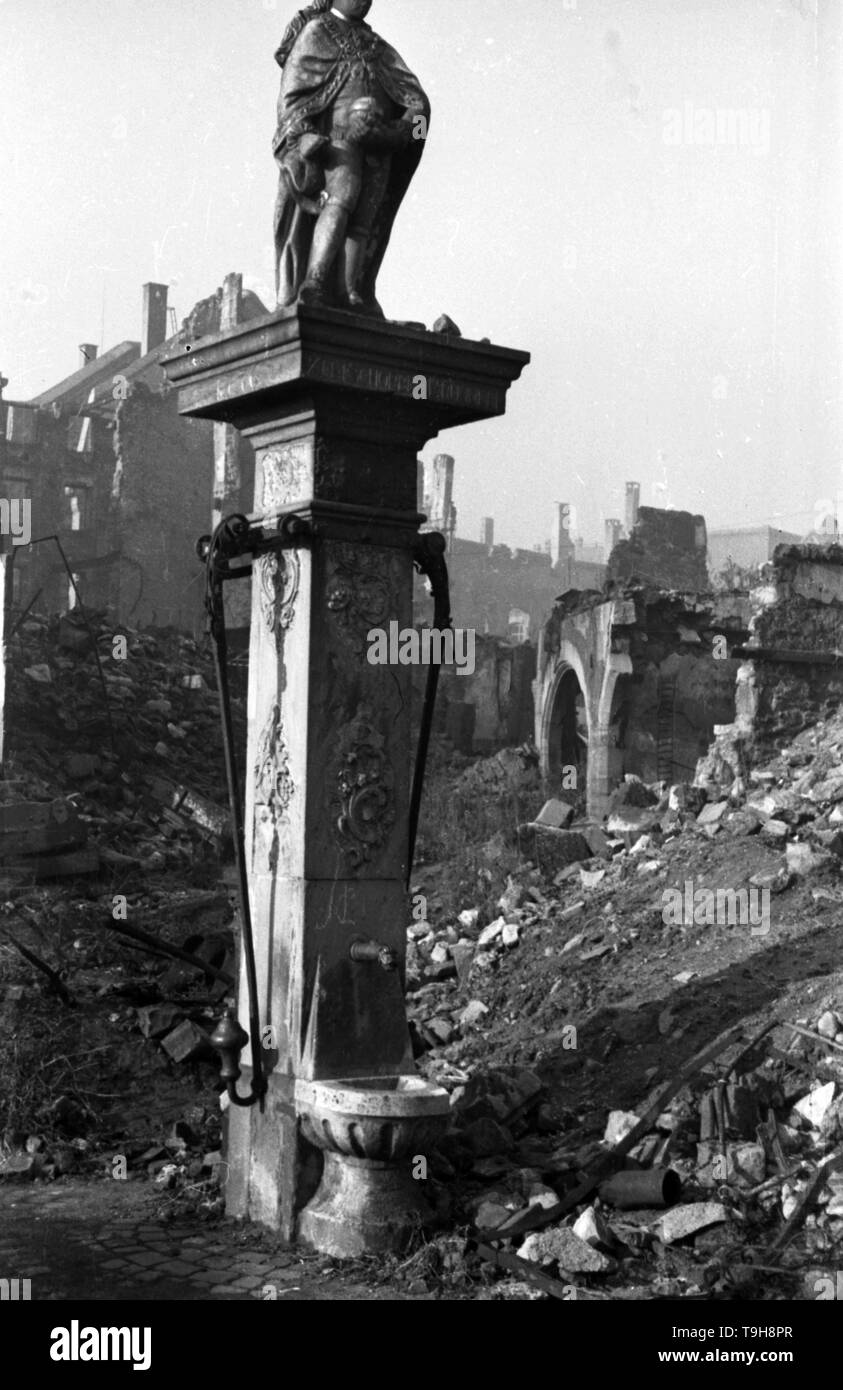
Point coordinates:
[(666, 287)]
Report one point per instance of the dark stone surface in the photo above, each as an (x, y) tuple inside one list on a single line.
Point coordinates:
[(666, 549)]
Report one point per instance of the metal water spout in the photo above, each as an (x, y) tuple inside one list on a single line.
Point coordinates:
[(362, 950)]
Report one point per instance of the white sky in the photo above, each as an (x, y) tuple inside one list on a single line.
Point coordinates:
[(667, 294)]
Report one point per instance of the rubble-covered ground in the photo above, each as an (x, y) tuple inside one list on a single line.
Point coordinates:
[(103, 1046), (599, 1018), (563, 976)]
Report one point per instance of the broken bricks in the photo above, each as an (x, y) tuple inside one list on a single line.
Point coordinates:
[(156, 1020), (187, 1043), (680, 1223)]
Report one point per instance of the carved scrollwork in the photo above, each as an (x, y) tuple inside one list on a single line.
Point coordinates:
[(359, 591), (274, 786), (273, 783), (279, 574), (365, 791)]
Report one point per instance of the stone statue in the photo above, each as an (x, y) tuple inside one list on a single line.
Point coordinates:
[(352, 121)]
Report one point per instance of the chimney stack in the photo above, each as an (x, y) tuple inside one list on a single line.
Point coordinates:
[(561, 545), (87, 353), (613, 534), (154, 317), (633, 502), (442, 512), (232, 293), (443, 487), (487, 532)]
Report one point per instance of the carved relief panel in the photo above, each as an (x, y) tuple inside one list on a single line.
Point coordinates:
[(287, 477), (279, 575), (274, 789), (363, 791), (359, 591)]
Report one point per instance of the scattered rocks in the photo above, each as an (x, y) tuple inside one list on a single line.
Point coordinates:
[(486, 1137), (681, 1222), (557, 814), (20, 1167), (593, 1228), (560, 1246), (491, 932), (815, 1106), (619, 1125)]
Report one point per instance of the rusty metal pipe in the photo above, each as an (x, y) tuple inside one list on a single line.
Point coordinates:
[(643, 1187)]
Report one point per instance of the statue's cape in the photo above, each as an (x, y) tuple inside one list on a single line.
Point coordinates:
[(313, 74)]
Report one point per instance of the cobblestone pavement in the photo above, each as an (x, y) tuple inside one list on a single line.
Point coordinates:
[(102, 1241)]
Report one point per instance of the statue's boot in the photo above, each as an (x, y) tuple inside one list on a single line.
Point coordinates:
[(328, 239), (355, 249), (356, 246)]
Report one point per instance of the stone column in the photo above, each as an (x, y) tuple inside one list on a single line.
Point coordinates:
[(337, 408), (597, 776), (227, 478)]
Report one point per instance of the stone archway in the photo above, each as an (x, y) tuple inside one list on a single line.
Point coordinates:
[(567, 729), (574, 705), (565, 720)]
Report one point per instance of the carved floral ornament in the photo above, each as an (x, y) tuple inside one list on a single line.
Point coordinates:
[(365, 790), (274, 785), (359, 591), (279, 574)]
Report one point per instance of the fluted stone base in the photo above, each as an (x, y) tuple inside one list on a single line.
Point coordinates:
[(363, 1208)]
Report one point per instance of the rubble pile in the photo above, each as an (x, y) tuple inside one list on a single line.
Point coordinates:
[(131, 744), (117, 932), (564, 981), (470, 802), (567, 967)]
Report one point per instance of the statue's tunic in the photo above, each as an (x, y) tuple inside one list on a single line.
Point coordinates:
[(332, 64)]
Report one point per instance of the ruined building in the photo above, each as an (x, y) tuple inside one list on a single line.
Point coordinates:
[(496, 590), (634, 679), (125, 483), (791, 672)]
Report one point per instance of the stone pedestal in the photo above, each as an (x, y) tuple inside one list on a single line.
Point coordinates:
[(352, 1215), (337, 408)]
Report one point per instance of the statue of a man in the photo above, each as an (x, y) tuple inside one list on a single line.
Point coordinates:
[(352, 120)]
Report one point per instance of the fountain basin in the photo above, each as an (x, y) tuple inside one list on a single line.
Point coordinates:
[(372, 1131)]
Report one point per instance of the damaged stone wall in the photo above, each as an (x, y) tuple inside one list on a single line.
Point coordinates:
[(682, 688), (161, 505), (796, 680), (666, 550), (490, 708), (799, 614), (126, 483), (42, 453), (642, 678), (161, 494)]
